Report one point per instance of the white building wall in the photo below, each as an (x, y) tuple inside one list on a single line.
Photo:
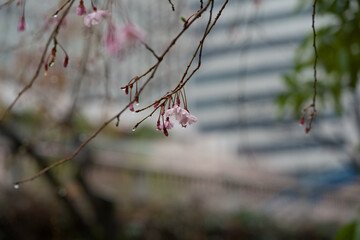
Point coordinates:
[(244, 58)]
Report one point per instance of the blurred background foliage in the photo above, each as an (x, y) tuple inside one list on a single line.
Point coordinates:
[(338, 45)]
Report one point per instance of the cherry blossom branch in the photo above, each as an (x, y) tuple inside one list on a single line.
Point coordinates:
[(310, 112), (160, 58), (37, 72), (182, 83), (172, 98), (207, 31), (60, 8), (152, 69), (151, 50), (76, 152), (315, 52)]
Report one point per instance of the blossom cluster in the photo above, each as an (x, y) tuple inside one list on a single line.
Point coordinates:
[(181, 115), (308, 115), (116, 39)]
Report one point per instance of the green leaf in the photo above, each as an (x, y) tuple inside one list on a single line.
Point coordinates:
[(347, 232), (357, 230)]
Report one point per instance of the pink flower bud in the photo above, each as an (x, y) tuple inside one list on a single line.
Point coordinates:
[(126, 90), (156, 104), (66, 61), (81, 10), (166, 132), (21, 26), (158, 125), (131, 107), (53, 52), (302, 120)]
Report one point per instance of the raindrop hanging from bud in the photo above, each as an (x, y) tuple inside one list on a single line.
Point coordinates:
[(16, 186), (133, 129)]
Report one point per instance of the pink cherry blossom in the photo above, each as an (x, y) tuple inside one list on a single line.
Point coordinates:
[(181, 115), (95, 17), (112, 40), (131, 34), (21, 26), (191, 119), (176, 110), (81, 10), (187, 119), (166, 125)]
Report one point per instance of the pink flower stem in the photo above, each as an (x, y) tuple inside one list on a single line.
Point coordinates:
[(93, 5), (23, 8), (66, 55), (131, 86), (136, 93)]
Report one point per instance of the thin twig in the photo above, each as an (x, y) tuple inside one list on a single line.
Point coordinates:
[(36, 74), (316, 54), (76, 152), (172, 5), (309, 112), (60, 8), (151, 50)]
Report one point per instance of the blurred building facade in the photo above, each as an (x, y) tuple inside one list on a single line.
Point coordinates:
[(244, 60)]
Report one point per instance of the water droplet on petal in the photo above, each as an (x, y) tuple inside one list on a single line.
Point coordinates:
[(16, 186)]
